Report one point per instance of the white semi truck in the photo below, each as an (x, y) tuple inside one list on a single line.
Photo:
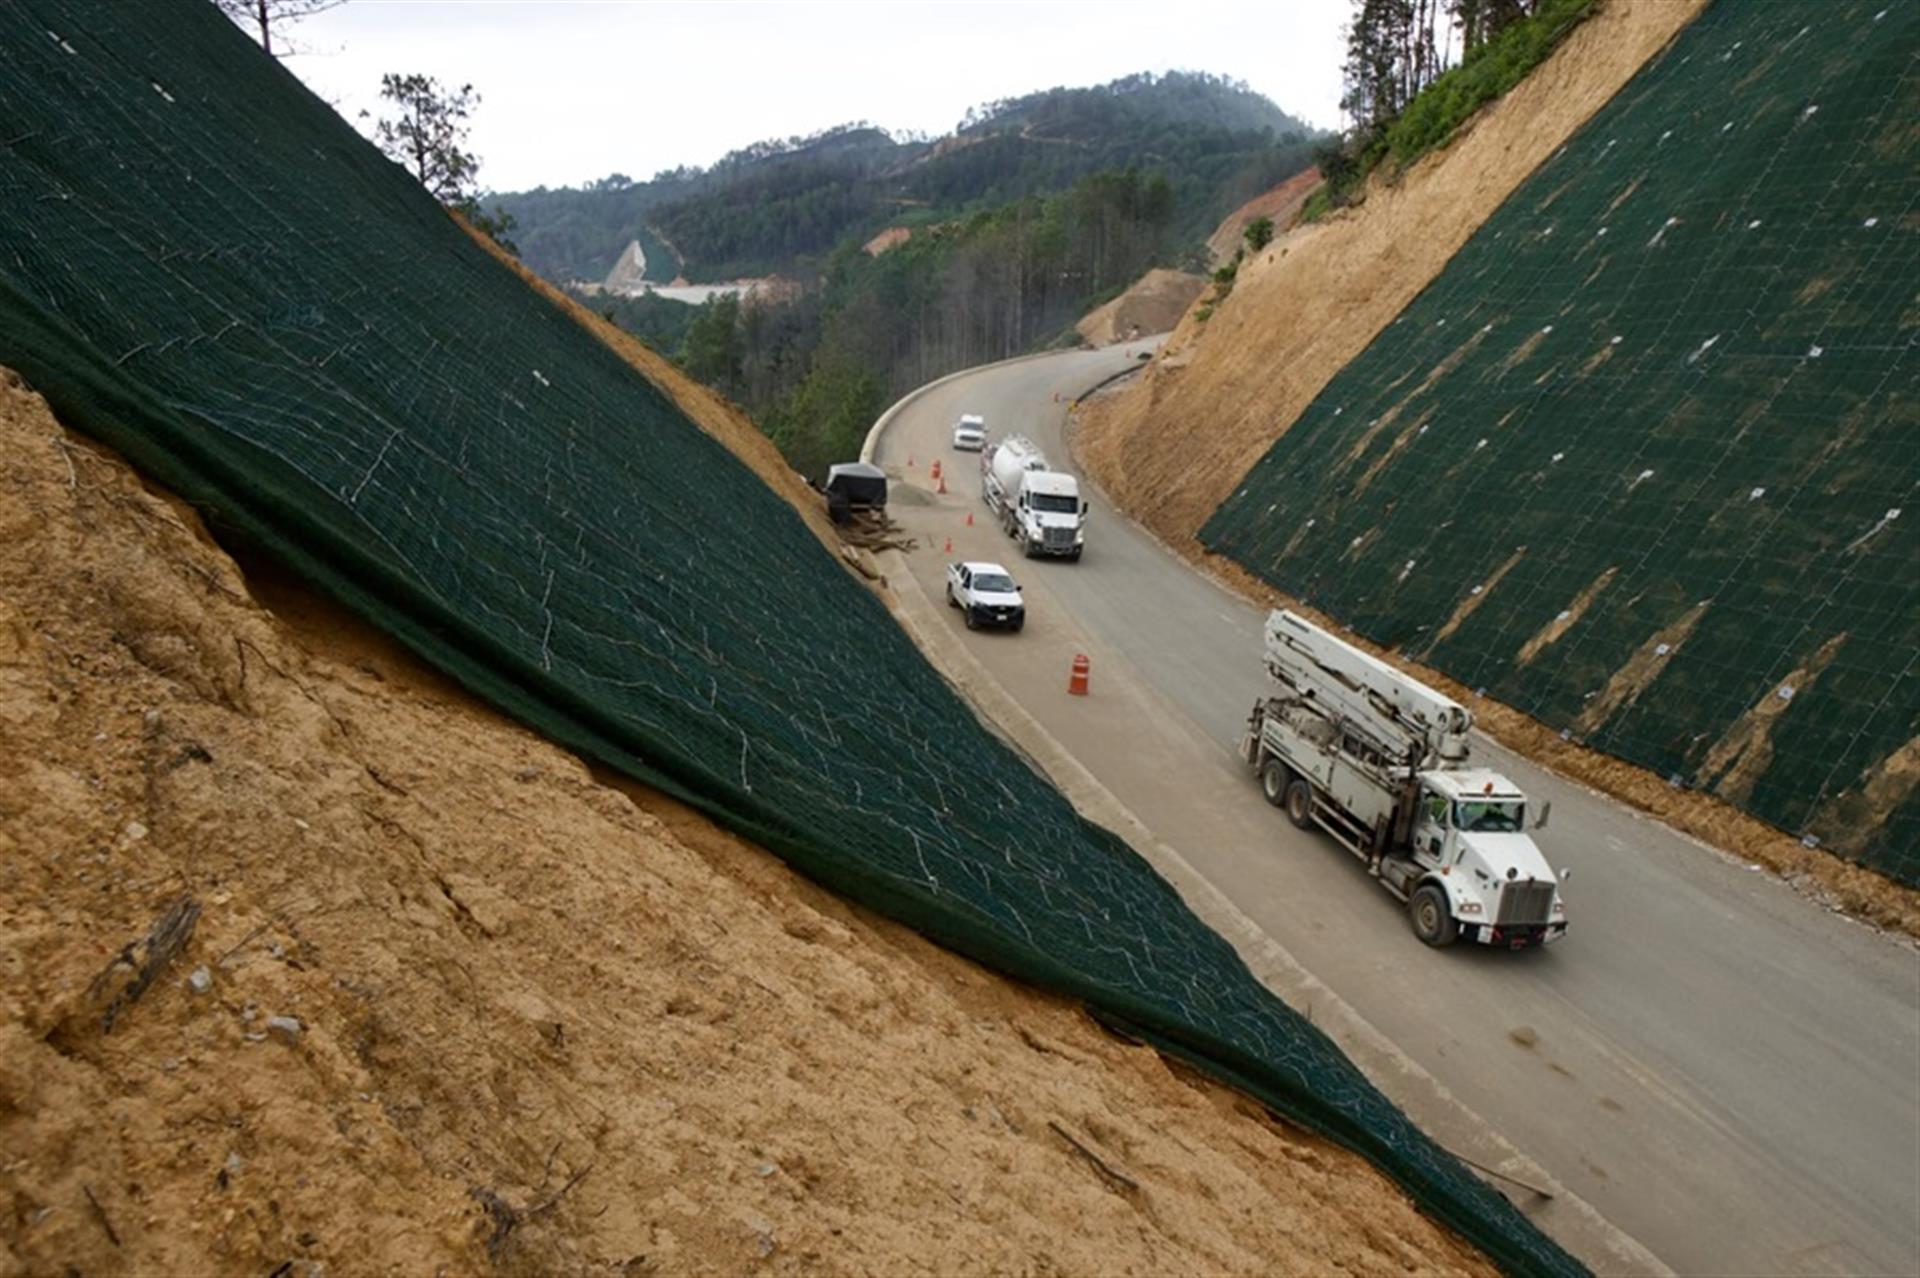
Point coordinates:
[(1039, 507), (1379, 761)]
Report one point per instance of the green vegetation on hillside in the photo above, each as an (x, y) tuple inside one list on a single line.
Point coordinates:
[(781, 206), (569, 234), (815, 372), (1035, 210), (655, 320), (1401, 130)]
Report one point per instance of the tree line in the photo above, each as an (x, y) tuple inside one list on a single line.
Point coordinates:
[(817, 369), (1405, 92)]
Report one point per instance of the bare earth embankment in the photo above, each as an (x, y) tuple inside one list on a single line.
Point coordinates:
[(452, 1000), (1153, 303)]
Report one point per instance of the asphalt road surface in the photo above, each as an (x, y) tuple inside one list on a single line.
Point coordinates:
[(1725, 1069)]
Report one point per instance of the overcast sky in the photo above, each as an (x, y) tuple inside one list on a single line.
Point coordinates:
[(572, 91)]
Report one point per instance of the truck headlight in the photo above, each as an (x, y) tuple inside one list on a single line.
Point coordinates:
[(1470, 907)]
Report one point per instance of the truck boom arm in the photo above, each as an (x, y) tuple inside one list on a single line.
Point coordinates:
[(1347, 681)]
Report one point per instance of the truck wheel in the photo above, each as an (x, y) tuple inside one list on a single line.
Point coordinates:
[(971, 623), (1433, 922), (1073, 556), (1300, 803), (1273, 782), (951, 601)]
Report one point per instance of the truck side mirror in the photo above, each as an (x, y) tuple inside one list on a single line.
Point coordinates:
[(1085, 505), (1546, 810), (1566, 872)]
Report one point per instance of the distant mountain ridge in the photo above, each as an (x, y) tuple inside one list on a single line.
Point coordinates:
[(779, 205)]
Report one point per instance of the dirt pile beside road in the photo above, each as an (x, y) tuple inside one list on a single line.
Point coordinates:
[(1172, 448), (1154, 303), (452, 1001)]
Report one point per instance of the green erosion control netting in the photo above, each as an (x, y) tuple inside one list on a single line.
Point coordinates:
[(1659, 415), (207, 269)]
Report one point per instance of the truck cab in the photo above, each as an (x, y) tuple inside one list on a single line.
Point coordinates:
[(1049, 516), (1469, 851)]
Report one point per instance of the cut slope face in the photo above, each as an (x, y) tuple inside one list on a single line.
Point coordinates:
[(1172, 449), (541, 1023), (1281, 205), (1153, 304), (299, 341), (1671, 384)]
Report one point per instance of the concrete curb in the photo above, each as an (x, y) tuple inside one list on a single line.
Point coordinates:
[(1569, 1219)]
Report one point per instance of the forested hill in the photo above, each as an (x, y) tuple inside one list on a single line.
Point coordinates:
[(781, 205)]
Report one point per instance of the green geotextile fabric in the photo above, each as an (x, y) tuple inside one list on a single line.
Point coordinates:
[(1644, 460), (204, 267)]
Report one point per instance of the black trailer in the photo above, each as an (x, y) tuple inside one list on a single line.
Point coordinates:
[(853, 487)]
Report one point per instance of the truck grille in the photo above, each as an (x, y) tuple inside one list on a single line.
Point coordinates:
[(1059, 538), (1525, 901)]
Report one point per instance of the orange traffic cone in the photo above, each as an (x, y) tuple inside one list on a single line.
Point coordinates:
[(1077, 682), (941, 487), (949, 549), (969, 519), (935, 472)]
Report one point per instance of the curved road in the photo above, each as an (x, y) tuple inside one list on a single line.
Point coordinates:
[(1727, 1071)]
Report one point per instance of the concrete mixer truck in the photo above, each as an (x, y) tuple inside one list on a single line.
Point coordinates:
[(1378, 760), (1039, 507)]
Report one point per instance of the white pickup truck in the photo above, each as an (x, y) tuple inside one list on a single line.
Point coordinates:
[(970, 433), (986, 594)]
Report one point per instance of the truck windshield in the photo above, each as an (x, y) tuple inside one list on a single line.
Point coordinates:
[(994, 584), (1056, 503), (1491, 816)]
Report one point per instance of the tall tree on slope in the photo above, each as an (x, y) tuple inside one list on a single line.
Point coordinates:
[(429, 137), (269, 16)]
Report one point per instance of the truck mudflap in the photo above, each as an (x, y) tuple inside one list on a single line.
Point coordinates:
[(1515, 936)]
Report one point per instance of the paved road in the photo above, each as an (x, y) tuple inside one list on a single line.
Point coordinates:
[(1726, 1070)]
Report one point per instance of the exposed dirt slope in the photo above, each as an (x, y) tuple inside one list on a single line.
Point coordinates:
[(1226, 389), (534, 1021), (1154, 303), (1282, 204)]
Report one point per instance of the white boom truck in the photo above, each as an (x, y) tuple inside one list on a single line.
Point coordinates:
[(1039, 507), (1379, 761)]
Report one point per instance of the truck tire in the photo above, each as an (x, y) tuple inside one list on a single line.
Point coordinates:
[(1432, 921), (1300, 803), (951, 601), (972, 623), (1073, 556), (1273, 782)]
